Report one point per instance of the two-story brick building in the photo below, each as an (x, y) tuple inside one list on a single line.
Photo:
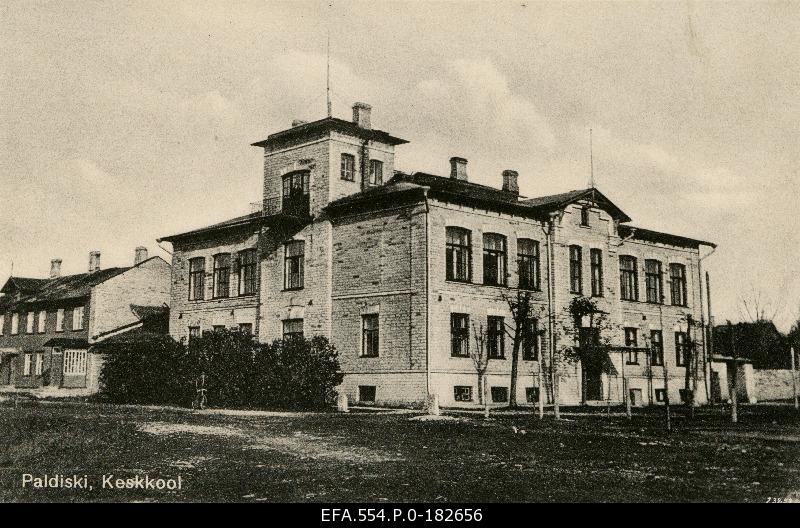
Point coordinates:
[(400, 270), (48, 326)]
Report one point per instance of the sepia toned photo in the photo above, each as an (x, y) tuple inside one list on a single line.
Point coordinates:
[(399, 261)]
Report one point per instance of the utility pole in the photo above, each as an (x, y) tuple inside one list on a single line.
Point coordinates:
[(710, 341), (735, 384)]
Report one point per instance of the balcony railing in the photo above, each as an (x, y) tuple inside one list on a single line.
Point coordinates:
[(297, 205)]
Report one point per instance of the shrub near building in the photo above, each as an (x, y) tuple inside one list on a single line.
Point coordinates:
[(295, 373)]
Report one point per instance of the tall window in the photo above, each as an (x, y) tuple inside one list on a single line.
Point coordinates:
[(677, 277), (292, 328), (42, 320), (194, 333), (294, 262), (530, 340), (74, 362), (77, 318), (222, 275), (656, 348), (628, 278), (495, 338), (375, 172), (369, 335), (26, 366), (528, 260), (197, 279), (348, 167), (652, 280), (458, 254), (29, 322), (38, 366), (494, 259), (2, 324), (295, 184), (681, 349), (584, 216), (247, 272), (632, 341), (59, 320), (14, 324), (596, 261), (575, 270), (459, 335)]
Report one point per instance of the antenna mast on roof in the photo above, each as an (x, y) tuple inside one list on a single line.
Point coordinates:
[(591, 161), (328, 76)]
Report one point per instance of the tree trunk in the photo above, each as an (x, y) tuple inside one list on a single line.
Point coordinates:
[(485, 397), (512, 397)]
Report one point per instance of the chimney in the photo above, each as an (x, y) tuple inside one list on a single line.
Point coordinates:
[(55, 268), (510, 181), (458, 168), (94, 261), (361, 115), (298, 122), (140, 255)]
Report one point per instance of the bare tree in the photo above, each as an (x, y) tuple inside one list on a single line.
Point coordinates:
[(480, 358), (755, 307), (520, 333)]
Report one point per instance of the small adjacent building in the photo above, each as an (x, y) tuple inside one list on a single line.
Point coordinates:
[(48, 326)]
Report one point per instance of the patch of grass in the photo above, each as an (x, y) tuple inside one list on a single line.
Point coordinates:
[(393, 457)]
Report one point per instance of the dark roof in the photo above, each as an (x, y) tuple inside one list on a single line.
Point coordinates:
[(238, 221), (23, 284), (313, 129), (67, 343), (554, 202), (378, 196), (648, 235), (454, 186), (66, 287), (146, 312)]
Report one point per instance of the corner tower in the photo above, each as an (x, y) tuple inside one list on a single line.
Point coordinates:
[(311, 164)]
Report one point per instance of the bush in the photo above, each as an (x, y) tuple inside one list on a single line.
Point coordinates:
[(151, 370), (295, 374)]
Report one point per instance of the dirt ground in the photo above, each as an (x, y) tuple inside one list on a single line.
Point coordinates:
[(399, 456)]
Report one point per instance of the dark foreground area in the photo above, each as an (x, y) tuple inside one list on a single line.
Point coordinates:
[(397, 456)]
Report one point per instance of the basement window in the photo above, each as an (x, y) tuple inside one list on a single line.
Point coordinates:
[(661, 395), (366, 393), (532, 394), (499, 394), (462, 393)]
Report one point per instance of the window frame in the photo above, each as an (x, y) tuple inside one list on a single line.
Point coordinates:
[(496, 337), (529, 391), (373, 389), (456, 250), (15, 323), (681, 343), (631, 340), (30, 323), (530, 335), (296, 334), (38, 366), (529, 265), (660, 395), (678, 281), (74, 362), (344, 171), (462, 388), (41, 327), (657, 352), (60, 317), (596, 271), (78, 313), (499, 258), (576, 269), (459, 336), (295, 260), (497, 390), (193, 332), (653, 282), (249, 327), (370, 335), (2, 324), (27, 360), (584, 216), (375, 177), (244, 267), (197, 279), (633, 278), (217, 276)]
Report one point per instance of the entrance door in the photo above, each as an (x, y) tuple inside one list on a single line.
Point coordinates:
[(5, 370), (594, 384)]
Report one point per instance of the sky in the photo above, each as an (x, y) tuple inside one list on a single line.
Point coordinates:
[(121, 122)]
